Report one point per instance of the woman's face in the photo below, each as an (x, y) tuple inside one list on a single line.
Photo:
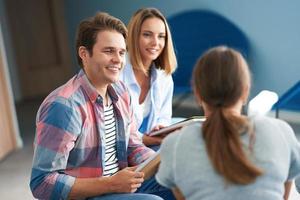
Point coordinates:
[(152, 39)]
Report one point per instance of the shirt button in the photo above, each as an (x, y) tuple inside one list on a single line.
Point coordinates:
[(98, 100)]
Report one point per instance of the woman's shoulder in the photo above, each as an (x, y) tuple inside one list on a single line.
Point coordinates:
[(161, 73), (269, 122), (271, 128), (162, 77), (185, 134)]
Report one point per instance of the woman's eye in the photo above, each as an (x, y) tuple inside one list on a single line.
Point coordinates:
[(146, 34)]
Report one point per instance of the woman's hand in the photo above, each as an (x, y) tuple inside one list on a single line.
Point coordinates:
[(153, 140), (156, 128)]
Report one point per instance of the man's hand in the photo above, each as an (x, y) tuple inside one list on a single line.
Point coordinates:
[(126, 180)]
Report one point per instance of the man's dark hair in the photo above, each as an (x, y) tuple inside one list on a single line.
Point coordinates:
[(88, 30)]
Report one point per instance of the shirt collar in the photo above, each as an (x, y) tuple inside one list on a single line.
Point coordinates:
[(112, 93), (128, 74), (153, 71), (91, 90)]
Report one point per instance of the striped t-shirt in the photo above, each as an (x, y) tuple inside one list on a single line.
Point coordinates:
[(111, 161)]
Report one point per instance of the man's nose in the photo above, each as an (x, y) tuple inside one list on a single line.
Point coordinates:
[(117, 58)]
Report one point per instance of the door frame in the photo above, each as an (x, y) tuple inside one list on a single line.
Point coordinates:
[(9, 125), (42, 55)]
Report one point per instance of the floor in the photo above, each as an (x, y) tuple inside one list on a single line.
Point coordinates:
[(15, 168)]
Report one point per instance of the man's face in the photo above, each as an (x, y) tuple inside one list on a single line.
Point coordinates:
[(108, 58)]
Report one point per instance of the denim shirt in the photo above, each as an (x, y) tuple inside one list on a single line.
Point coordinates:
[(161, 94)]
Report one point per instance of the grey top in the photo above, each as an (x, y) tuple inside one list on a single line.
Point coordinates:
[(185, 164)]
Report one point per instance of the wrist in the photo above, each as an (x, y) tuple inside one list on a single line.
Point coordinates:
[(108, 183), (111, 184)]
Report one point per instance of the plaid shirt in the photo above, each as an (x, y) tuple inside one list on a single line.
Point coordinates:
[(69, 137)]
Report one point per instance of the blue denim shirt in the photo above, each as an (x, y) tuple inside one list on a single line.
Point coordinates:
[(161, 94)]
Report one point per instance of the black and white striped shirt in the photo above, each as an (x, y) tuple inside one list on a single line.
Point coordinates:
[(111, 161)]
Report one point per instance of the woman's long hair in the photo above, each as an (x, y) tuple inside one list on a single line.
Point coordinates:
[(220, 78), (167, 59)]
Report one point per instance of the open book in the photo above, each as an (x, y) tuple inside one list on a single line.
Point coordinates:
[(149, 166), (178, 125)]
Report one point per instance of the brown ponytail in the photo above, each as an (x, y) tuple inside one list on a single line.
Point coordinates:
[(220, 78)]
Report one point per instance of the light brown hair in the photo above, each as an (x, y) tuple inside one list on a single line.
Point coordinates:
[(167, 59), (220, 78), (89, 28)]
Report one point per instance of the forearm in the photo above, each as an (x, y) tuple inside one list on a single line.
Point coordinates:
[(137, 155), (152, 140), (178, 194), (124, 181), (90, 187), (287, 189)]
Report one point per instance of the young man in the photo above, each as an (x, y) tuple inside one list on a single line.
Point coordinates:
[(86, 135)]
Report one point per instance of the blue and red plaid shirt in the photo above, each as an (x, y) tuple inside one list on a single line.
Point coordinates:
[(69, 137)]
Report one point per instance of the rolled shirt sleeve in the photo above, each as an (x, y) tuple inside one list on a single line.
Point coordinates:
[(57, 128)]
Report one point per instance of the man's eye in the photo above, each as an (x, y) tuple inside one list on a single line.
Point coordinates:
[(108, 51)]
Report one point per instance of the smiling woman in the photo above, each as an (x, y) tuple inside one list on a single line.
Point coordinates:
[(151, 40), (148, 72)]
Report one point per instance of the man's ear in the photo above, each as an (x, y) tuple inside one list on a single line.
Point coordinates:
[(83, 53)]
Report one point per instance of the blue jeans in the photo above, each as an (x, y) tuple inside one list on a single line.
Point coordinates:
[(151, 186), (126, 196), (150, 190), (154, 147)]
